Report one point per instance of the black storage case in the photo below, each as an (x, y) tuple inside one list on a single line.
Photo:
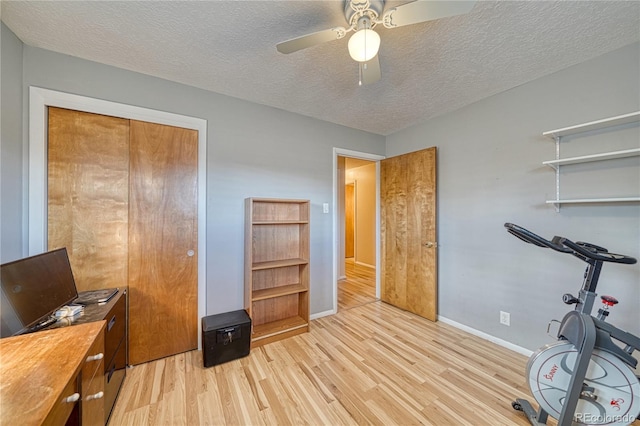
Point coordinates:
[(225, 337)]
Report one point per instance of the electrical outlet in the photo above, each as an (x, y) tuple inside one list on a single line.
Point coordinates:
[(505, 318), (325, 207)]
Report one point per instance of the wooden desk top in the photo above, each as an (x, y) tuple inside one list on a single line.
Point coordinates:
[(92, 312), (36, 367)]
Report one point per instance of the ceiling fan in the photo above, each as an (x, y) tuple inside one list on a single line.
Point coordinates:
[(363, 16)]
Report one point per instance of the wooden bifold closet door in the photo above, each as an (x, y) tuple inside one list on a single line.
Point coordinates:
[(122, 197), (163, 235)]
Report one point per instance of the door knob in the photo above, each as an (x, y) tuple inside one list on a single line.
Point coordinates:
[(430, 244), (190, 253)]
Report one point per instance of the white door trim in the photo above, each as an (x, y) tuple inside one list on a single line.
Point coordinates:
[(40, 99), (340, 152)]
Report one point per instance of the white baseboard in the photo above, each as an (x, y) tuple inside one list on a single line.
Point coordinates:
[(322, 314), (478, 333), (366, 265), (486, 336)]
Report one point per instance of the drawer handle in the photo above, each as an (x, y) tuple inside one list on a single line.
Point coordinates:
[(95, 357), (112, 321), (94, 396), (72, 398)]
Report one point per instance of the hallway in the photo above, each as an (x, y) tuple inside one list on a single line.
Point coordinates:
[(359, 288)]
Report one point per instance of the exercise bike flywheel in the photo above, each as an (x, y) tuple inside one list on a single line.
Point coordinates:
[(611, 391)]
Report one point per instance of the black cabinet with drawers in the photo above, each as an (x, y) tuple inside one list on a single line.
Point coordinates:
[(114, 312)]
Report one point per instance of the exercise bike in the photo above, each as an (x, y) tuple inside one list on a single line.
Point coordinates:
[(585, 378)]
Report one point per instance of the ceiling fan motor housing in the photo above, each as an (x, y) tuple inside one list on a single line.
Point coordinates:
[(356, 9)]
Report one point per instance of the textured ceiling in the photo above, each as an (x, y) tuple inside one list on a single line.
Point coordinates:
[(428, 69)]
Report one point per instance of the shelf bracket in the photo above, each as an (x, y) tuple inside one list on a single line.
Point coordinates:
[(557, 169), (580, 129)]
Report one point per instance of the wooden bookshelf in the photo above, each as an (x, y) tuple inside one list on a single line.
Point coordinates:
[(276, 268), (278, 264)]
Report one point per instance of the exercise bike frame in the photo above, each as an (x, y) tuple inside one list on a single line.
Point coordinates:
[(578, 326)]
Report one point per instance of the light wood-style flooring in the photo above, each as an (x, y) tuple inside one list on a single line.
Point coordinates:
[(358, 288), (371, 364)]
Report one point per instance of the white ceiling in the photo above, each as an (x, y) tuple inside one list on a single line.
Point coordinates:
[(428, 69)]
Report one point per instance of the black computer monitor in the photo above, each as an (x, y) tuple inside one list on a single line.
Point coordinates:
[(33, 289)]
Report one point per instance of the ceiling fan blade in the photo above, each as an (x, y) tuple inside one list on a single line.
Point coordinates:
[(312, 39), (421, 11), (370, 71)]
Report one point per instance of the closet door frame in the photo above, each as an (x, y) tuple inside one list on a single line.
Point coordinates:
[(39, 100)]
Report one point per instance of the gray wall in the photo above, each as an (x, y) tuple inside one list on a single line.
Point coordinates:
[(11, 160), (490, 172), (252, 151)]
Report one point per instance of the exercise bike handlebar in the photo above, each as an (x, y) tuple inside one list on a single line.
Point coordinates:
[(531, 238), (564, 245), (597, 253)]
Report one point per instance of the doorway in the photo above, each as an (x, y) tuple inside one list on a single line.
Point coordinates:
[(358, 286), (356, 257), (405, 234)]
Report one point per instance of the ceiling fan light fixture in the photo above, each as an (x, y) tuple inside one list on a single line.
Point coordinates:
[(364, 45)]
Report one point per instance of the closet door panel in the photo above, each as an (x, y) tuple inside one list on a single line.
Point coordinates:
[(163, 245), (88, 195)]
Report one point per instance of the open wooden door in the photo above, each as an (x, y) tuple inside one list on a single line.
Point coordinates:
[(409, 278)]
